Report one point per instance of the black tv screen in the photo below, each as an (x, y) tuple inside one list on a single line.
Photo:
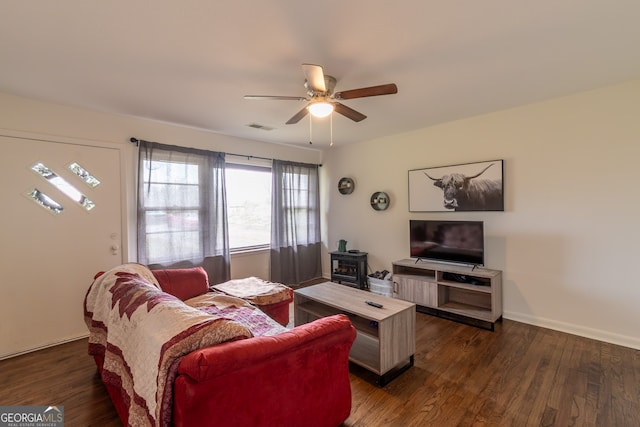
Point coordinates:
[(447, 241)]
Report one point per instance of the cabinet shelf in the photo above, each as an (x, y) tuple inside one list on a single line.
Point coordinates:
[(474, 288), (365, 352), (476, 297), (318, 310), (467, 310)]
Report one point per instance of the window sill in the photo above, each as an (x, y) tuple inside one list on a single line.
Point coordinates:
[(249, 251)]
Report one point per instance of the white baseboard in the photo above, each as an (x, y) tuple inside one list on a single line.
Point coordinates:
[(42, 347), (596, 334)]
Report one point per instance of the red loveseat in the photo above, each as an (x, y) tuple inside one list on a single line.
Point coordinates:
[(299, 377)]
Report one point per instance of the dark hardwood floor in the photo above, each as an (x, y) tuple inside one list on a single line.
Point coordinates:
[(519, 375)]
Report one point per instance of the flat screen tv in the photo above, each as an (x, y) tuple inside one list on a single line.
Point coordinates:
[(460, 242)]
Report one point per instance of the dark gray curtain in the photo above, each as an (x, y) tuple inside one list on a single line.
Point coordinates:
[(182, 216), (295, 223)]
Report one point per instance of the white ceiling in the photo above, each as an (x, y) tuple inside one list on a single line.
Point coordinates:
[(190, 62)]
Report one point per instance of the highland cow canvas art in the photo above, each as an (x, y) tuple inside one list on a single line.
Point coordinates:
[(466, 187)]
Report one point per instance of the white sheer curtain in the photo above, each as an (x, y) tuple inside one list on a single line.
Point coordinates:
[(295, 223), (182, 217)]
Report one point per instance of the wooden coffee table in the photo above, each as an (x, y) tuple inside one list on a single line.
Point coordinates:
[(386, 337)]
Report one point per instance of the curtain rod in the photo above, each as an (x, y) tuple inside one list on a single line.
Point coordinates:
[(137, 141)]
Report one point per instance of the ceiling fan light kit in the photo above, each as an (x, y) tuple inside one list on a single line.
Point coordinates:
[(320, 95), (320, 109)]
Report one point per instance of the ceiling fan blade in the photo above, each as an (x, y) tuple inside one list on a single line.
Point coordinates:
[(281, 98), (348, 112), (298, 116), (387, 89), (315, 77)]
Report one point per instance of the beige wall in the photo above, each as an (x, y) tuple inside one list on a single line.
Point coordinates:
[(255, 263), (567, 241), (37, 117)]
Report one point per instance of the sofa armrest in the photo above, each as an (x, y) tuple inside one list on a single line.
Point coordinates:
[(299, 377)]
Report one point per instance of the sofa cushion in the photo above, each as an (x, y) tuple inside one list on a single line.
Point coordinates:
[(183, 283)]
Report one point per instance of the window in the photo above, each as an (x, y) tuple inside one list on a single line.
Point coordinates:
[(172, 230), (248, 206), (301, 212), (296, 243), (182, 211), (61, 184)]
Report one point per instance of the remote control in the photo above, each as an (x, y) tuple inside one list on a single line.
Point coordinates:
[(374, 304)]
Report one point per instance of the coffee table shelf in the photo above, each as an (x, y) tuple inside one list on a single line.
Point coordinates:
[(385, 341), (318, 310)]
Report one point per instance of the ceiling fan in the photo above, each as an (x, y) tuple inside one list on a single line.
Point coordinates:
[(322, 101)]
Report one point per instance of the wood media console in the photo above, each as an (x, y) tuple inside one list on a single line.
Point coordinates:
[(465, 294)]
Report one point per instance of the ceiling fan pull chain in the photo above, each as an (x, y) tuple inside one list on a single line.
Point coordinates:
[(310, 137), (331, 130)]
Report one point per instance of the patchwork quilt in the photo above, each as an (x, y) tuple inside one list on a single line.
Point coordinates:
[(258, 291), (237, 309), (142, 333)]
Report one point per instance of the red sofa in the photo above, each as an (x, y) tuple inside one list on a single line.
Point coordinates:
[(299, 377)]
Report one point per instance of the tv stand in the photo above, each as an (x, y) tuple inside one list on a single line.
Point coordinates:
[(470, 295)]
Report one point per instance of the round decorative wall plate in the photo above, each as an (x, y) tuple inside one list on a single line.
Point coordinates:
[(346, 185), (380, 201)]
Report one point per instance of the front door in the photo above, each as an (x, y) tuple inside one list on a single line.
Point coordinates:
[(59, 227)]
